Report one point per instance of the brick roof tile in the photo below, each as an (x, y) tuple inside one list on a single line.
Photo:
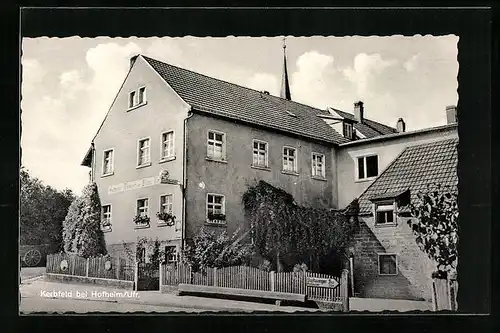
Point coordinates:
[(226, 99), (416, 167)]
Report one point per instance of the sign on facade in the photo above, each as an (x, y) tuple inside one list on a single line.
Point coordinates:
[(321, 282), (140, 183)]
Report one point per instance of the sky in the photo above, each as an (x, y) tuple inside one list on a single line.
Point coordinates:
[(68, 84)]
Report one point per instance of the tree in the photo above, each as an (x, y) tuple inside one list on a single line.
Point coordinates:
[(282, 228), (210, 248), (435, 225), (82, 226), (42, 211)]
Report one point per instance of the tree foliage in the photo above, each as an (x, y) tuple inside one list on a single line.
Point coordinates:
[(211, 248), (42, 211), (435, 225), (82, 226), (281, 227)]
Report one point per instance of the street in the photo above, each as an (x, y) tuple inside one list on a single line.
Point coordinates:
[(38, 295)]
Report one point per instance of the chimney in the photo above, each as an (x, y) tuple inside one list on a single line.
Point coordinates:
[(400, 125), (451, 114), (132, 60), (358, 111)]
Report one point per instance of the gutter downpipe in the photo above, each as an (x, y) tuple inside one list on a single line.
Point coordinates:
[(184, 180), (92, 167)]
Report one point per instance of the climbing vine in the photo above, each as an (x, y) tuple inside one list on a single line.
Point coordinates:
[(281, 227)]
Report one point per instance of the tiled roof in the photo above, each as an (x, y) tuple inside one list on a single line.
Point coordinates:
[(413, 170), (368, 128), (226, 99)]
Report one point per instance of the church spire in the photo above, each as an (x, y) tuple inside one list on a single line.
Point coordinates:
[(285, 86)]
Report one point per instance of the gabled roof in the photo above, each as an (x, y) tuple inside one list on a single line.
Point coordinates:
[(416, 167), (368, 128), (217, 97)]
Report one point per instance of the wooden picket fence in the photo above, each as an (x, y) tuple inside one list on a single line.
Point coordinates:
[(90, 267), (244, 277)]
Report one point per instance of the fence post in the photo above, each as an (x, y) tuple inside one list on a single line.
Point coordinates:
[(344, 290), (87, 268), (136, 275), (118, 268), (161, 275), (73, 260), (215, 276), (272, 280)]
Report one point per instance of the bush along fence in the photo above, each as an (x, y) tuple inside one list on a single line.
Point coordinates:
[(103, 270), (316, 287)]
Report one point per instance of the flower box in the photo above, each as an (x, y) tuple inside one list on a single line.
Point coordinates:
[(216, 218), (141, 220), (167, 217)]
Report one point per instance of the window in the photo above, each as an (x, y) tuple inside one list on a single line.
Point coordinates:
[(131, 99), (106, 217), (166, 203), (318, 165), (347, 130), (387, 264), (367, 167), (142, 254), (143, 154), (107, 162), (170, 254), (137, 97), (167, 145), (216, 145), (143, 207), (142, 95), (259, 153), (384, 213), (289, 159), (215, 209)]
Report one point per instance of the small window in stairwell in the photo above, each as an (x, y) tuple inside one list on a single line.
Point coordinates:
[(387, 264), (367, 167)]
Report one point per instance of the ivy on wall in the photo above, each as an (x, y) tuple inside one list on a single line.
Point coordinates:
[(280, 227), (435, 226)]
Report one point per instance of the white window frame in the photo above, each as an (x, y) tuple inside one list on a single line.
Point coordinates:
[(356, 168), (139, 152), (266, 153), (294, 166), (107, 218), (380, 267), (347, 129), (133, 96), (164, 157), (223, 207), (137, 209), (385, 206), (213, 142), (112, 150), (314, 165), (171, 202)]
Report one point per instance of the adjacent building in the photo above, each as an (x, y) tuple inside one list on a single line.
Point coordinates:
[(187, 145)]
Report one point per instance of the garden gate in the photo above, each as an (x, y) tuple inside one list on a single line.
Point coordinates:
[(148, 276)]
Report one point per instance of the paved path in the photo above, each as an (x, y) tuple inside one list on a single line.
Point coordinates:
[(40, 295), (31, 272)]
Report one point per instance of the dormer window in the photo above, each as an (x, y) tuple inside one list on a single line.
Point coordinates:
[(347, 129)]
